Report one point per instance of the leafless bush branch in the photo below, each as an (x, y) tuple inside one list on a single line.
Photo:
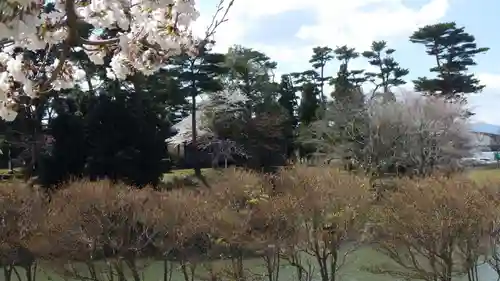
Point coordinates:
[(417, 136)]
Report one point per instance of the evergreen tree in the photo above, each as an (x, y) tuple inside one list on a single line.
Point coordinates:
[(66, 157), (126, 139), (117, 132), (347, 82), (309, 103), (346, 113), (167, 93), (253, 73), (288, 101), (389, 74), (198, 75), (321, 56), (453, 50), (288, 98)]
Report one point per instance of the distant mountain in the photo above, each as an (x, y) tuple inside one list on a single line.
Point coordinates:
[(486, 128)]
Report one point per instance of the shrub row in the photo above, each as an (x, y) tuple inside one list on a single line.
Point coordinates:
[(432, 228)]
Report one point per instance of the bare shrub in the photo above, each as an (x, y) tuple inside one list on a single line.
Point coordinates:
[(182, 218), (239, 187), (93, 223), (434, 228), (491, 186), (249, 220), (273, 223), (235, 197), (311, 217), (21, 214), (331, 211), (262, 218)]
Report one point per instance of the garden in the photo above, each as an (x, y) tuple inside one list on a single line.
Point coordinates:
[(131, 150)]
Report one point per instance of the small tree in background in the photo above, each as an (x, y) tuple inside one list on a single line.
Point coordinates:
[(252, 73), (262, 137), (305, 83), (199, 74), (288, 101)]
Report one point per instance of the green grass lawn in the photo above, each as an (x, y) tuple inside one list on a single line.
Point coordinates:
[(484, 174), (475, 174), (6, 171), (167, 177)]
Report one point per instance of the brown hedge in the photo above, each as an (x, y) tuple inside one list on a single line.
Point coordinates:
[(300, 209)]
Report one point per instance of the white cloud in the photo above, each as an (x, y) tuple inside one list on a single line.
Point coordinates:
[(358, 22), (485, 104), (355, 23), (491, 80)]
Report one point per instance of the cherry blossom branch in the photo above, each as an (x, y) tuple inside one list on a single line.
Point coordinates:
[(65, 49), (57, 33), (216, 23), (62, 59)]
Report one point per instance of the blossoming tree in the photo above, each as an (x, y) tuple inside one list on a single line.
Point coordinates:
[(127, 36)]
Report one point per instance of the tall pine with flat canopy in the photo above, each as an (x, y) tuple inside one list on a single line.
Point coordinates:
[(388, 74), (454, 51), (199, 74), (321, 56), (348, 81)]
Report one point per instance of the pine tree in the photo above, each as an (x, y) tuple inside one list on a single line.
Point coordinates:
[(288, 99), (321, 56), (347, 82), (454, 51), (200, 74), (389, 74), (253, 73), (309, 103), (347, 112), (166, 92)]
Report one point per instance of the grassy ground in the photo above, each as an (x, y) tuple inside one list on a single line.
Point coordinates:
[(6, 171), (478, 174), (482, 174), (168, 177)]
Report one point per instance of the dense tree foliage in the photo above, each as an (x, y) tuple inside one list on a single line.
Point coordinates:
[(120, 130), (453, 50)]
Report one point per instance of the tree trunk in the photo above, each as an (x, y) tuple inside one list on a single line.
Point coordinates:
[(194, 133)]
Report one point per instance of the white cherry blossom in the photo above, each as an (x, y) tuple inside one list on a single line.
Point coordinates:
[(128, 35)]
